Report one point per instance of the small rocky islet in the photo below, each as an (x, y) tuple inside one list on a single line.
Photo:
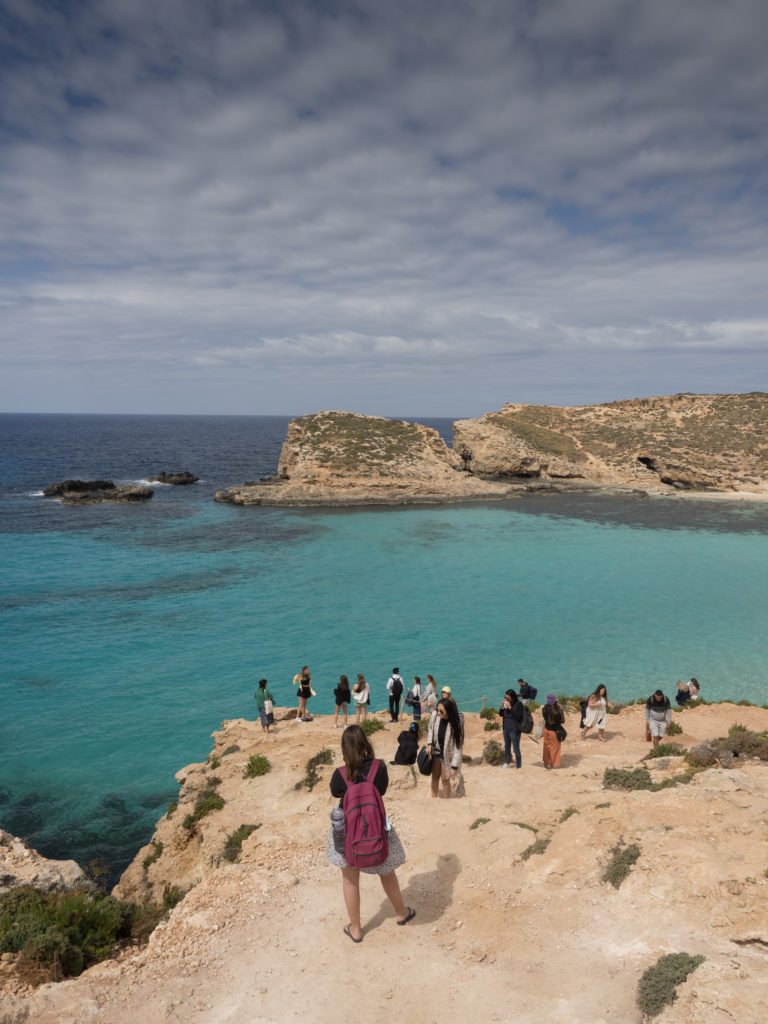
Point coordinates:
[(93, 492)]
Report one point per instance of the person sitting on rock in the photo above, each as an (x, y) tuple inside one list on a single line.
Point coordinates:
[(683, 694), (693, 689), (527, 692), (407, 745)]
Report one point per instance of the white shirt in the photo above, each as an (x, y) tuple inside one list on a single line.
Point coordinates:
[(391, 683)]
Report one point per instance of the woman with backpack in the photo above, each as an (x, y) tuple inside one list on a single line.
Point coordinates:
[(554, 732), (512, 715), (361, 697), (596, 712), (445, 739), (369, 844)]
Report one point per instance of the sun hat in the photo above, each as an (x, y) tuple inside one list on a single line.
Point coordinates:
[(551, 698), (446, 689)]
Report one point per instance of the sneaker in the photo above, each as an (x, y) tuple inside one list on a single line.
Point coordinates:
[(507, 765)]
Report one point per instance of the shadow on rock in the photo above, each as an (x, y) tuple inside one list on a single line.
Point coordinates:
[(430, 893)]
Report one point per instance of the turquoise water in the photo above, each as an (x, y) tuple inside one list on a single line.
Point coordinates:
[(128, 638)]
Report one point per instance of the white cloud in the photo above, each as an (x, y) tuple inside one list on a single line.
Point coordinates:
[(412, 207)]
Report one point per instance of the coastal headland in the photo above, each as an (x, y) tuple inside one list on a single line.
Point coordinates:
[(678, 444), (529, 906)]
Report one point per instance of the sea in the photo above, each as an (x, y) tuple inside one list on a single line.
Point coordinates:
[(128, 633)]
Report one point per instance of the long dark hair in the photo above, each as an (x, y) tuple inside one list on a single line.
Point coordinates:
[(343, 683), (355, 749), (598, 688), (454, 720)]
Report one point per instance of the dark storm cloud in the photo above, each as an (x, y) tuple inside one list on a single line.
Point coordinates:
[(273, 205)]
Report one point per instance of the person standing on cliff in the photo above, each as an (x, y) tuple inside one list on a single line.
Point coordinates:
[(265, 702), (554, 732), (429, 700), (395, 691), (361, 698), (304, 691), (658, 715)]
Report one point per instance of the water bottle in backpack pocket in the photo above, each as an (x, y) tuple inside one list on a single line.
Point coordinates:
[(338, 828)]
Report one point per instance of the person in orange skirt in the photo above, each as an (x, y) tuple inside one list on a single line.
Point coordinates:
[(554, 733)]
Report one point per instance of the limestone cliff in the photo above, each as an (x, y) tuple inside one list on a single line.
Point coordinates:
[(346, 458), (682, 442), (508, 882)]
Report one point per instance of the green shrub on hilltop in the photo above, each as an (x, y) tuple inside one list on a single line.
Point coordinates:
[(372, 725), (234, 842), (491, 727), (234, 749), (665, 750), (478, 822), (493, 753), (673, 729), (311, 775), (257, 764), (489, 714), (536, 848), (173, 806), (622, 859), (215, 762), (657, 987), (640, 778), (568, 813)]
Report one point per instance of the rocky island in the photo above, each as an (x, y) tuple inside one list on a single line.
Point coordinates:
[(92, 492), (667, 445), (345, 458), (179, 479), (572, 884)]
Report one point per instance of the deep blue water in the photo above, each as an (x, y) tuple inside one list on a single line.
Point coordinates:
[(129, 633)]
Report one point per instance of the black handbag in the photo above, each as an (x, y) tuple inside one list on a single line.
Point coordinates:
[(424, 761), (561, 733)]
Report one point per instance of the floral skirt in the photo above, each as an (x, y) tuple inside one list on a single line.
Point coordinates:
[(395, 856)]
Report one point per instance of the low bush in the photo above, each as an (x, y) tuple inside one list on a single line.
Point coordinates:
[(525, 825), (172, 896), (478, 822), (423, 726), (234, 843), (640, 778), (489, 714), (157, 850), (234, 749), (372, 725), (536, 847), (615, 709), (257, 764), (214, 781), (622, 859), (567, 813), (207, 801), (493, 752), (673, 729), (58, 935), (739, 743), (214, 762), (491, 727), (665, 750), (606, 804), (173, 806), (311, 775), (657, 987)]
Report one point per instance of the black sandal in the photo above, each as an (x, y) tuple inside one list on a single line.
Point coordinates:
[(409, 917), (348, 931)]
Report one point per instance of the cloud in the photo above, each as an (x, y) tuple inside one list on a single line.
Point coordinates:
[(396, 208)]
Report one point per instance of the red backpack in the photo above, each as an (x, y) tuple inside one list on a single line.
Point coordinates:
[(365, 822)]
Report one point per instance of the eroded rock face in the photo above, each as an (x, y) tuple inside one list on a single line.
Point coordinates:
[(346, 458), (182, 479), (681, 442), (21, 865)]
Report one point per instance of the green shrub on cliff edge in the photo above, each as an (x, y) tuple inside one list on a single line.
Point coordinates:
[(207, 801), (657, 988), (311, 775), (157, 851), (493, 752), (256, 765), (60, 934), (234, 844), (488, 713), (372, 725)]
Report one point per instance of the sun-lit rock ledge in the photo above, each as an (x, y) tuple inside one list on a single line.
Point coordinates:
[(343, 458)]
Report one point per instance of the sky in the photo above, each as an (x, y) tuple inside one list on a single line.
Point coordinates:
[(400, 207)]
